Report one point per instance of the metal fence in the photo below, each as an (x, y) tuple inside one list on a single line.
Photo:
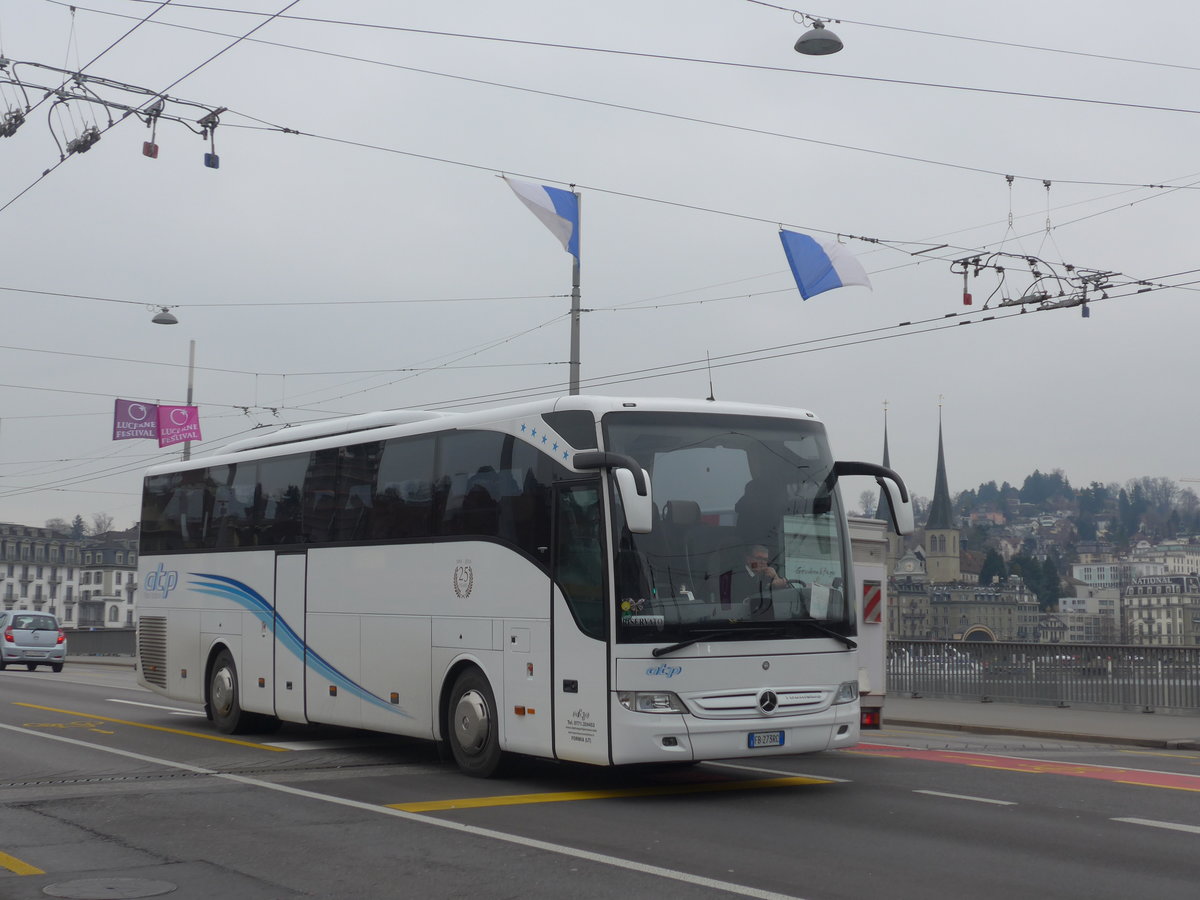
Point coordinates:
[(1109, 676), (100, 642), (1106, 676)]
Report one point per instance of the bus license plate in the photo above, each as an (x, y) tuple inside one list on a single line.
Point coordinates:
[(765, 739)]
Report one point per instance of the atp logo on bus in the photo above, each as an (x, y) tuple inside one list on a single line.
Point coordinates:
[(160, 583), (664, 670)]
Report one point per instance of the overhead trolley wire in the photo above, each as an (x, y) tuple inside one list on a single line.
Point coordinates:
[(611, 105), (186, 75)]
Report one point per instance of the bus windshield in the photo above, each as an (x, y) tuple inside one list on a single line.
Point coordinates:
[(748, 541)]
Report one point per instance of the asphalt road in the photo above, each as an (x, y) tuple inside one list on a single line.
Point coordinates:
[(109, 791)]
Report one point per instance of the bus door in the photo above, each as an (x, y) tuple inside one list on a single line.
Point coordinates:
[(580, 624), (291, 574)]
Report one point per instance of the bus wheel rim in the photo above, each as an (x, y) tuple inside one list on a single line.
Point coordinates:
[(222, 691), (472, 721)]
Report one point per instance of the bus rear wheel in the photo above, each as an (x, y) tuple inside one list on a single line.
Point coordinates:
[(473, 726)]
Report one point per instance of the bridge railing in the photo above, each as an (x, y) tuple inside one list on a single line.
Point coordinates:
[(1112, 676), (100, 642)]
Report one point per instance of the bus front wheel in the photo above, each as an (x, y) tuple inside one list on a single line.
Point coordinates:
[(223, 701), (473, 725)]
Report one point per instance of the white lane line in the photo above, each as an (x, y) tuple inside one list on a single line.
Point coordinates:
[(318, 745), (740, 890), (967, 797), (762, 770), (173, 710), (1173, 826)]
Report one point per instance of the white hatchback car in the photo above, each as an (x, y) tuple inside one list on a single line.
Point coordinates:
[(32, 638)]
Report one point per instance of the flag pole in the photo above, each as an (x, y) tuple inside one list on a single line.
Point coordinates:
[(575, 312)]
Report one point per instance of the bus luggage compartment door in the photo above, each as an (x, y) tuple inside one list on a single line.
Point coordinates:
[(291, 575)]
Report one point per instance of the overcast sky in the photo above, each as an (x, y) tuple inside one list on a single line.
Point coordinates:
[(375, 260)]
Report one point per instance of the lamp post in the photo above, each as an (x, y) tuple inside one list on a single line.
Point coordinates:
[(166, 317), (187, 445)]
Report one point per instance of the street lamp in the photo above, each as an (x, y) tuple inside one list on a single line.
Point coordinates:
[(165, 317), (819, 41)]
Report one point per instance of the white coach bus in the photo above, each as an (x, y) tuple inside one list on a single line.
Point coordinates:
[(593, 579)]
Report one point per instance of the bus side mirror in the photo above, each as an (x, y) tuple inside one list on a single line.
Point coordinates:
[(899, 504), (632, 481), (890, 483), (639, 508)]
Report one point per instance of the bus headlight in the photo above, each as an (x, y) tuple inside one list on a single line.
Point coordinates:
[(651, 701), (847, 692)]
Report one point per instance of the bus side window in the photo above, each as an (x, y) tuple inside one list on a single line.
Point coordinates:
[(160, 532), (320, 496), (281, 483), (525, 516), (402, 500), (357, 470), (470, 482), (233, 502)]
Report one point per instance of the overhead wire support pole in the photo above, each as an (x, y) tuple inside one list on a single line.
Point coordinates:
[(575, 312), (187, 445)]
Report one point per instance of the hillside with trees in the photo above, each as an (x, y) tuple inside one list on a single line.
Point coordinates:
[(1034, 531)]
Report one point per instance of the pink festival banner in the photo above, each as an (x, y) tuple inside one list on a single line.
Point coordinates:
[(177, 424), (132, 419)]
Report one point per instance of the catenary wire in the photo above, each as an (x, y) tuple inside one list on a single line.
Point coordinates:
[(952, 320), (181, 78), (641, 110), (966, 37), (695, 60)]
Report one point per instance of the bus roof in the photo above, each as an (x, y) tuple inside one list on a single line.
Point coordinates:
[(400, 422)]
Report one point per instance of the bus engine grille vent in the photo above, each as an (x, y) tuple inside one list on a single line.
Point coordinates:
[(152, 649)]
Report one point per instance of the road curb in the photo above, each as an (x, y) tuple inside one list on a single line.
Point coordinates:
[(1157, 743)]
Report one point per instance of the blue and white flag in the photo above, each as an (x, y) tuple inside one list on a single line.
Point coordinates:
[(558, 210), (820, 266)]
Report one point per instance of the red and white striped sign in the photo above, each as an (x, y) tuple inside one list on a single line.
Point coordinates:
[(872, 603)]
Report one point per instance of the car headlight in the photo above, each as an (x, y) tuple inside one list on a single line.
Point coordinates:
[(847, 692), (651, 701)]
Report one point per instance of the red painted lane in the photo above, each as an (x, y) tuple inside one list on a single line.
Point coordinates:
[(1142, 777)]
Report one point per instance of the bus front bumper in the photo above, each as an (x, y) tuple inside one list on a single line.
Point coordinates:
[(639, 737)]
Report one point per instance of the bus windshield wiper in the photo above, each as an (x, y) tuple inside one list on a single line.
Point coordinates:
[(723, 634), (813, 623)]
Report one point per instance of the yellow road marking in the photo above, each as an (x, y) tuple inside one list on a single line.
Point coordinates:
[(1190, 756), (195, 734), (611, 793), (1173, 787), (89, 725), (17, 867)]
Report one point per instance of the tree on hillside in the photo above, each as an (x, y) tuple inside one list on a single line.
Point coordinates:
[(866, 500), (1039, 489), (920, 506), (993, 568), (1188, 505), (990, 495), (1160, 493), (101, 523), (1051, 583), (965, 502), (78, 528), (60, 526)]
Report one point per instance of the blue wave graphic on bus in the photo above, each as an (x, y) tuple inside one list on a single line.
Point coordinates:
[(248, 598)]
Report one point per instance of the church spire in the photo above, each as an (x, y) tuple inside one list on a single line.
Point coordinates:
[(883, 509), (941, 513)]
